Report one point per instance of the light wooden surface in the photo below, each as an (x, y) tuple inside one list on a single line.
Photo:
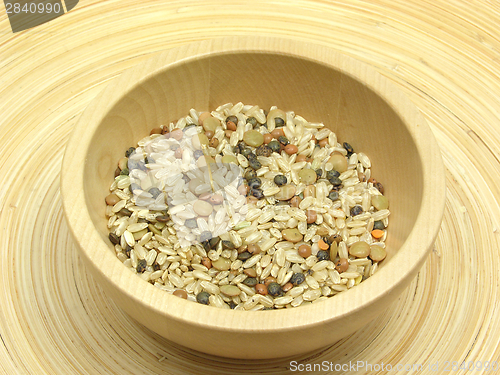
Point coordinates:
[(443, 54)]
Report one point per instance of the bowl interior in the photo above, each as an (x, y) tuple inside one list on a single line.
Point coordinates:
[(317, 92)]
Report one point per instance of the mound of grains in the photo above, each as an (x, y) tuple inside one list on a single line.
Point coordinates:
[(246, 209)]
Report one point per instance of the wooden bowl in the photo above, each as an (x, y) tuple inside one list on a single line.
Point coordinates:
[(356, 102)]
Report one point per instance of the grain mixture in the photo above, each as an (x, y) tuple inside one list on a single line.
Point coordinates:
[(247, 209)]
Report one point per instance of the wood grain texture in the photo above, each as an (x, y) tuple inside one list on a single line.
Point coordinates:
[(443, 54)]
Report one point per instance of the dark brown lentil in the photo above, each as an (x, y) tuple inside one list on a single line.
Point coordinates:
[(274, 289), (297, 278), (203, 297), (263, 150), (125, 212), (275, 146), (283, 140), (378, 225), (228, 245), (278, 121), (254, 183), (232, 118), (257, 193), (333, 195), (141, 265), (244, 256), (129, 152), (250, 281), (356, 210), (115, 240), (280, 180), (323, 255), (252, 120)]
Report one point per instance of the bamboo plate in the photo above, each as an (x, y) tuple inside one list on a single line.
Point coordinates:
[(54, 319)]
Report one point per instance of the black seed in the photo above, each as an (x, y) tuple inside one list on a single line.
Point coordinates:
[(297, 278), (227, 245), (252, 120), (254, 163), (130, 151), (244, 255), (323, 255), (125, 212), (149, 160), (197, 154), (141, 265), (163, 218), (335, 181), (115, 240), (206, 245), (378, 225), (191, 223), (274, 289), (254, 183), (379, 187), (336, 187), (356, 210), (232, 305), (133, 187), (279, 122), (333, 195), (203, 297), (124, 172), (280, 180), (319, 172), (275, 146), (250, 173), (232, 118), (263, 150), (250, 281), (348, 148), (246, 151), (332, 174), (327, 240), (156, 266), (283, 140), (154, 191), (127, 250), (251, 156), (214, 241), (257, 193), (205, 236)]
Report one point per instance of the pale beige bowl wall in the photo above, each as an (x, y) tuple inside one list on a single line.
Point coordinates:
[(361, 106)]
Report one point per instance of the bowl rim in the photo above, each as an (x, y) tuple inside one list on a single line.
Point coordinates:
[(409, 257)]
